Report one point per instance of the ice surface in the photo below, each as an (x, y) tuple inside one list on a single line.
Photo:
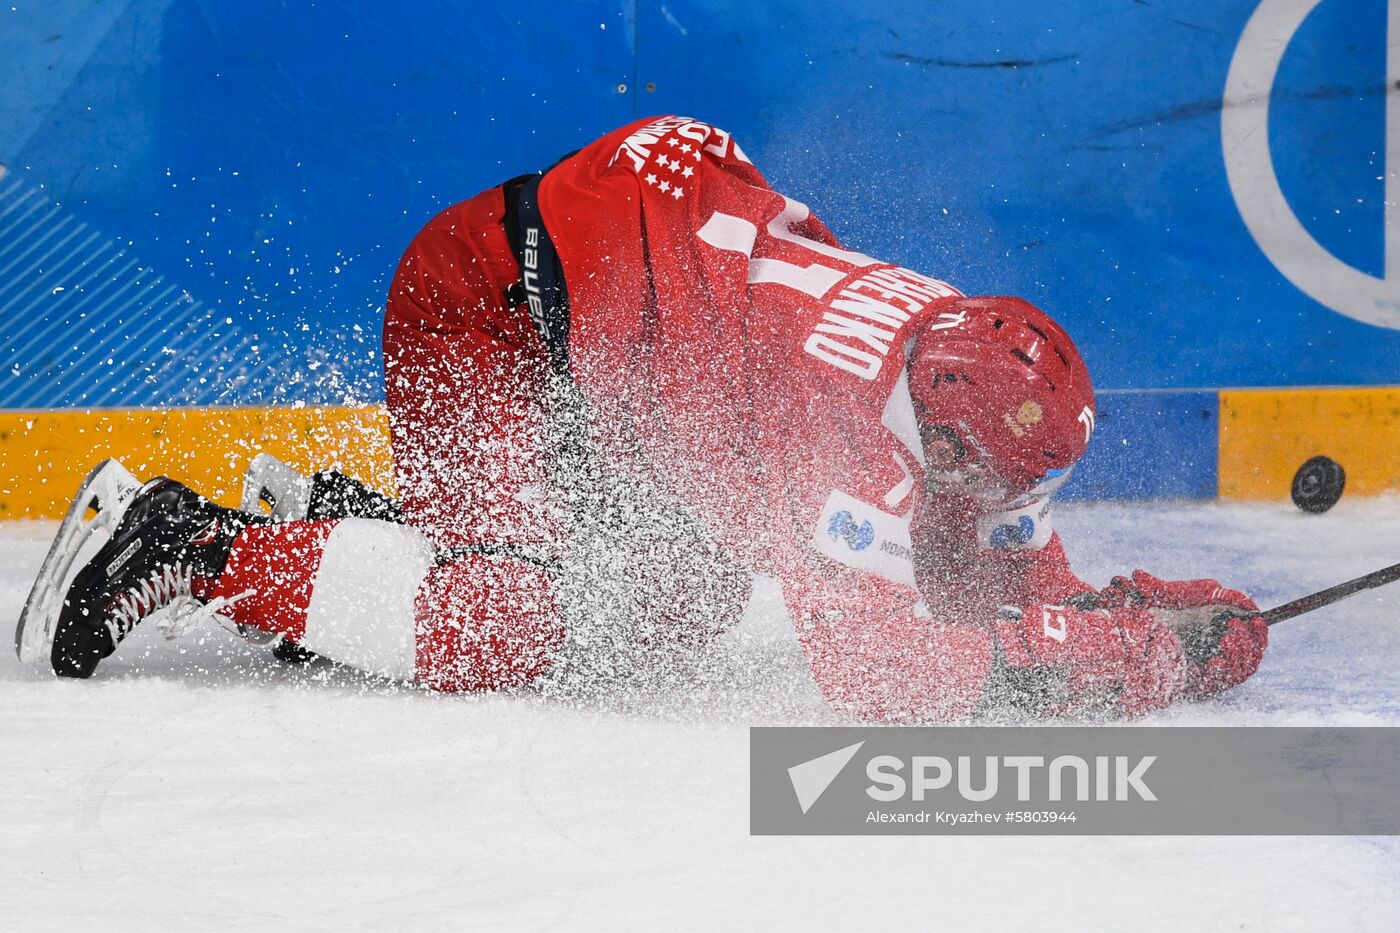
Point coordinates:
[(199, 785)]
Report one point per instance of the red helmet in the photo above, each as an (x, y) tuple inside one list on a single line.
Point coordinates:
[(1003, 399)]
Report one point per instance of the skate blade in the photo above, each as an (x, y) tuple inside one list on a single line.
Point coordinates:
[(285, 491), (107, 490)]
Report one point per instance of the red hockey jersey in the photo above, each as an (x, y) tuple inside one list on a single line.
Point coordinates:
[(761, 367)]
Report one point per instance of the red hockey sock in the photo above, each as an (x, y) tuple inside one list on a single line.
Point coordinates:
[(275, 565)]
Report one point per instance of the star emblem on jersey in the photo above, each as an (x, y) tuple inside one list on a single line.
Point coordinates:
[(667, 171)]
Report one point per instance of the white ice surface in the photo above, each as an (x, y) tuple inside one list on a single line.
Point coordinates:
[(199, 785)]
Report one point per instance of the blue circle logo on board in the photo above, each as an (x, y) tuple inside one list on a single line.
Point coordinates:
[(844, 527)]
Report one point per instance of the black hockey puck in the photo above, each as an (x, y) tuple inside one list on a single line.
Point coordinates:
[(1318, 484)]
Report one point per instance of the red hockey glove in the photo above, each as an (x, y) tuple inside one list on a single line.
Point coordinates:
[(1150, 592), (1224, 653), (1221, 633), (1065, 660)]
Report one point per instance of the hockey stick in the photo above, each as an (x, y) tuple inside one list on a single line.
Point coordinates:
[(1333, 593), (1202, 642)]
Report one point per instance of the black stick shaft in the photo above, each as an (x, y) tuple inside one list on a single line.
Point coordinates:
[(1333, 593)]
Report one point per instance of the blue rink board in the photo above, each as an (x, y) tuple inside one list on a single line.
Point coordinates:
[(252, 171), (1150, 445)]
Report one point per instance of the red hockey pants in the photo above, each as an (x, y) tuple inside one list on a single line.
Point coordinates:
[(462, 597)]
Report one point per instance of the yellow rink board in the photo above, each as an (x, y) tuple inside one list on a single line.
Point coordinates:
[(44, 455), (1266, 434)]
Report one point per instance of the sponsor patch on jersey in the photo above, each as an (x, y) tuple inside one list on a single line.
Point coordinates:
[(1024, 529), (844, 527), (859, 535), (1009, 537)]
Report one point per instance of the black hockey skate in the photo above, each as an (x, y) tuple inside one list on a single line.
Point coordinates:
[(163, 537)]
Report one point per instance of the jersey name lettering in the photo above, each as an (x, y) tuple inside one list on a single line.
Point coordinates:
[(637, 147), (855, 333)]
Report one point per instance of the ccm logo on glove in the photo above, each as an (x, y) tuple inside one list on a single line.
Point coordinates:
[(1056, 622)]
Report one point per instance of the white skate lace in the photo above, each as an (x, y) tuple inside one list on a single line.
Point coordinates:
[(166, 598)]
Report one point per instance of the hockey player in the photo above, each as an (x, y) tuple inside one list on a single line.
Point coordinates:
[(646, 349)]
